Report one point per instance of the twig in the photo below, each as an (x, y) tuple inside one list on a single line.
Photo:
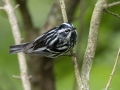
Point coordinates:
[(18, 77), (16, 7), (17, 37), (112, 4), (113, 71), (2, 8), (114, 14), (77, 74)]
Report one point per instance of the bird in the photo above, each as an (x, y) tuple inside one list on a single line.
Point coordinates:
[(53, 43)]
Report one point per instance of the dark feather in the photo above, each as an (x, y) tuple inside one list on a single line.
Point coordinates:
[(17, 48)]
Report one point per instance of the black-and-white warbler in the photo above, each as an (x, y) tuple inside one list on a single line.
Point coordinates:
[(54, 43)]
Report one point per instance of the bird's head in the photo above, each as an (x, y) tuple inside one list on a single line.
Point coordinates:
[(65, 30)]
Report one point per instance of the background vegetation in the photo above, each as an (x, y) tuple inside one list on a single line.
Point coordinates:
[(108, 44)]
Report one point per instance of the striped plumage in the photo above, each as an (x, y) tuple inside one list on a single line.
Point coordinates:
[(53, 43)]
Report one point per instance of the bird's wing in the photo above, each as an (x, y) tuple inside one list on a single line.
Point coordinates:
[(34, 44), (40, 41)]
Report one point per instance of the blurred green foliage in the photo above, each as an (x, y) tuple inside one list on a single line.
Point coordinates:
[(107, 48)]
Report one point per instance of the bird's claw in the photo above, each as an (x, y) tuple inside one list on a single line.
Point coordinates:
[(70, 55)]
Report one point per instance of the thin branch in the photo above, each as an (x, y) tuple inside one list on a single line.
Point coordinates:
[(17, 37), (17, 77), (16, 7), (76, 70), (113, 71), (114, 14), (2, 8), (77, 74), (63, 10), (80, 32), (112, 4)]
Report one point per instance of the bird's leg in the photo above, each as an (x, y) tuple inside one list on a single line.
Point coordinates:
[(69, 55)]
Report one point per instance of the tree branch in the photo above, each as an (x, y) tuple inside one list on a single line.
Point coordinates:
[(17, 37), (113, 71), (114, 14), (92, 43), (80, 30), (112, 4), (63, 10), (77, 74)]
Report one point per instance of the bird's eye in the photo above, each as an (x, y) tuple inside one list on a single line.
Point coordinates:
[(67, 31)]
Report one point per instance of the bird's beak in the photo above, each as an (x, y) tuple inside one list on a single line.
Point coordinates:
[(73, 29)]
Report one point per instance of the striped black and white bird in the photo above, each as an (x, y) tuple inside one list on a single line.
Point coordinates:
[(53, 43)]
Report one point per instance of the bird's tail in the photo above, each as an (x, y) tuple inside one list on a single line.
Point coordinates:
[(17, 48)]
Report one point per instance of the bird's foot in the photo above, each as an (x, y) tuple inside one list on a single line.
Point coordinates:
[(70, 55)]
